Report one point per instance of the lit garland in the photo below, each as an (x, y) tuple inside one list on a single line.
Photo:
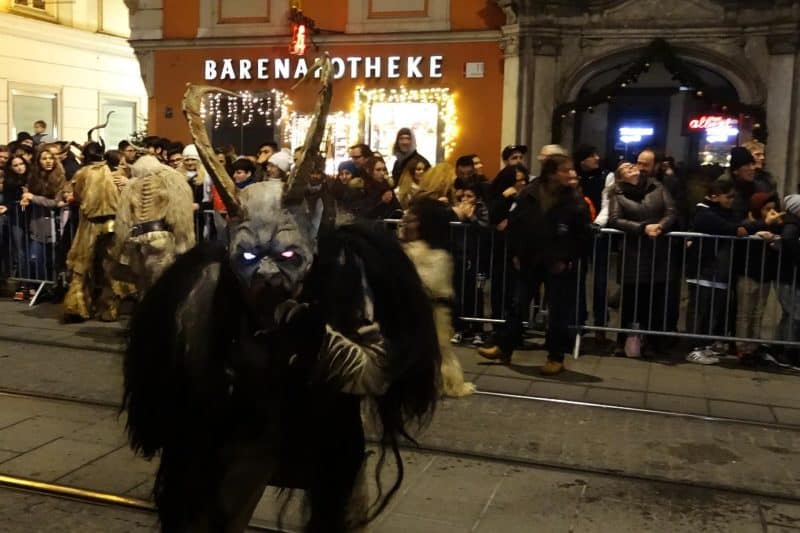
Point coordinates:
[(340, 132), (442, 97), (273, 106)]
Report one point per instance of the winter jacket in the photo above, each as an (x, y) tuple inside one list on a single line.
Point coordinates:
[(631, 208), (710, 259), (542, 237), (789, 249), (592, 184)]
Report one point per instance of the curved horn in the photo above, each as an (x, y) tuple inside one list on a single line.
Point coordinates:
[(99, 126), (299, 177), (191, 110)]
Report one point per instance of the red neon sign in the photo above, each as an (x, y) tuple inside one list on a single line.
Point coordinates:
[(298, 45), (707, 122)]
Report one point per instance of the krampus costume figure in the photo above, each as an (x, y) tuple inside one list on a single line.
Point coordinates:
[(246, 366), (92, 291), (154, 224)]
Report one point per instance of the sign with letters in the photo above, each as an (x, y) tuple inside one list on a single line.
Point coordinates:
[(353, 67)]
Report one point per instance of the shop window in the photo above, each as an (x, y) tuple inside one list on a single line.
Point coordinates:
[(430, 113), (247, 121), (29, 105), (379, 16), (121, 124), (232, 18), (340, 134)]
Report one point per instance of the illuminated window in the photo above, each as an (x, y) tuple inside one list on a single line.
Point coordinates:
[(29, 104), (430, 113)]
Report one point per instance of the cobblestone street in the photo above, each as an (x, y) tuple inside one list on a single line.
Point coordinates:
[(489, 462)]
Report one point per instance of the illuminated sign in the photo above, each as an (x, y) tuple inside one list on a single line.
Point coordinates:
[(298, 45), (353, 67), (718, 128), (634, 134), (704, 122)]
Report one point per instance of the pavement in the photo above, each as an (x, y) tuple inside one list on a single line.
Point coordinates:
[(727, 390), (487, 463)]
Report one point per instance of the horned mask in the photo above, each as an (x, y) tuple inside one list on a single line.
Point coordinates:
[(272, 241)]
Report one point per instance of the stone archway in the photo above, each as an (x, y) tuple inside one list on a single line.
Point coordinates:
[(749, 87)]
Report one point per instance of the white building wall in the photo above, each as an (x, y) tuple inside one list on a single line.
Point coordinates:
[(81, 66)]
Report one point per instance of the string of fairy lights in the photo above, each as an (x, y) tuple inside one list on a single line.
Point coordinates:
[(274, 108)]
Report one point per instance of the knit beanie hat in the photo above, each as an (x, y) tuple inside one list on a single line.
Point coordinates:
[(190, 152), (347, 165), (282, 160), (740, 157), (792, 204)]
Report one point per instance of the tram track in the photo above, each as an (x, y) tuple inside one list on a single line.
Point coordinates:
[(92, 497), (499, 458), (481, 393)]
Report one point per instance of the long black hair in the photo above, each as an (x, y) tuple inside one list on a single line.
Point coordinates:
[(434, 221)]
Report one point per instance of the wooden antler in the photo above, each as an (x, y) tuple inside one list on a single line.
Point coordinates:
[(300, 174), (192, 100)]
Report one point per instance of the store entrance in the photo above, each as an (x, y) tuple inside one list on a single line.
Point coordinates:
[(655, 98)]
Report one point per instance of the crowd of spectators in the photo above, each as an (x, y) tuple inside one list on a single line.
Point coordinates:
[(522, 237)]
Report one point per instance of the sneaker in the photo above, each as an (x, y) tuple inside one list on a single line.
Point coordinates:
[(719, 348), (457, 338), (477, 340), (702, 356), (19, 296)]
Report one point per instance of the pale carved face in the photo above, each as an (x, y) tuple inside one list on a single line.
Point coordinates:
[(271, 250)]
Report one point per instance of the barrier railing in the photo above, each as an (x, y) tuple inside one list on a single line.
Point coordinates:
[(36, 240), (739, 290), (689, 285)]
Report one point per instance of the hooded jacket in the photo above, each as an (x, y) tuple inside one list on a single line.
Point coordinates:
[(544, 236), (401, 158)]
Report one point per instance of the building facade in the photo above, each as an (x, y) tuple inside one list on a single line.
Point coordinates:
[(690, 77), (685, 74), (68, 64), (433, 66)]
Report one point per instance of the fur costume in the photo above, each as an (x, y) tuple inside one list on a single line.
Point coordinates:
[(155, 222), (92, 291), (246, 365), (435, 268)]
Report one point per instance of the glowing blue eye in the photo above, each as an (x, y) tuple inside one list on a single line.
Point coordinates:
[(288, 254), (247, 256)]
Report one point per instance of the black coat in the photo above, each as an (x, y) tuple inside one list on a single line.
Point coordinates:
[(560, 234), (631, 209), (708, 257)]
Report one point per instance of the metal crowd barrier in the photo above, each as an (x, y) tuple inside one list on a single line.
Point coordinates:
[(35, 242), (739, 290), (673, 286)]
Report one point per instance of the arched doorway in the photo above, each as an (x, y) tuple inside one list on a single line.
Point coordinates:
[(689, 104)]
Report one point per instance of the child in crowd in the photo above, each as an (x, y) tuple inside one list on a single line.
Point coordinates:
[(709, 311)]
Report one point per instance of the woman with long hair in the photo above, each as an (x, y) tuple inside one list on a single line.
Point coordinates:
[(409, 182), (47, 189), (17, 173), (380, 201), (426, 232)]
